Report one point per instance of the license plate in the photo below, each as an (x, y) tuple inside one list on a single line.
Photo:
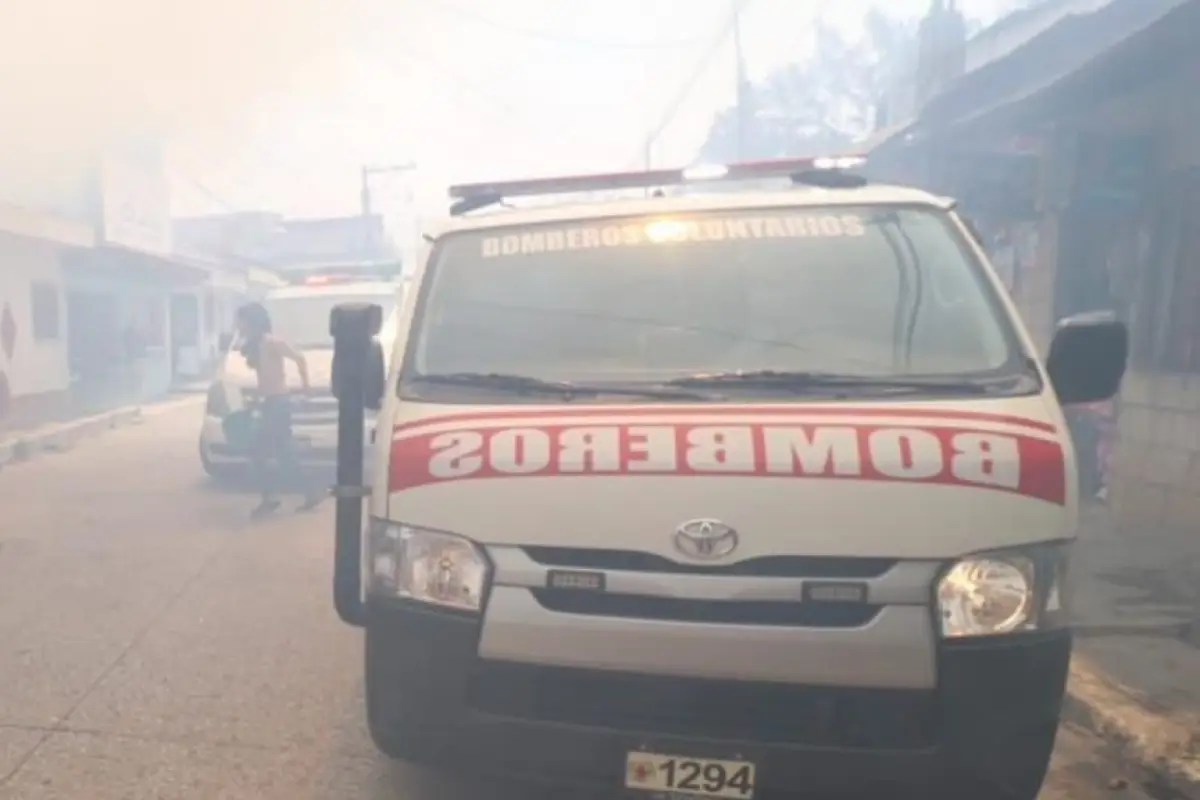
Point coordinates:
[(687, 776)]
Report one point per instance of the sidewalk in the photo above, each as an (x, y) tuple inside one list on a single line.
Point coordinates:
[(57, 435), (1135, 677)]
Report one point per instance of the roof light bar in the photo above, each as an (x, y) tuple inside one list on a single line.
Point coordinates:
[(649, 179)]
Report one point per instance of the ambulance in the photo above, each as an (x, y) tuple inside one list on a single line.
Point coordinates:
[(715, 494)]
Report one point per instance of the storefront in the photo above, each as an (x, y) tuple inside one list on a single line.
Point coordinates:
[(124, 344), (121, 347)]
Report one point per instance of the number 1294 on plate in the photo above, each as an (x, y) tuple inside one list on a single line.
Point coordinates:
[(687, 776)]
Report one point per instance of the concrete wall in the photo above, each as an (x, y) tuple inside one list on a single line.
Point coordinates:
[(1156, 482), (37, 372), (1034, 295), (1155, 485)]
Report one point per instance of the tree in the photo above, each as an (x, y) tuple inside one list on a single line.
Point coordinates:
[(821, 104)]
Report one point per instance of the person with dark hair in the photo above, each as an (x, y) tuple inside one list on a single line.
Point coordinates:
[(268, 355)]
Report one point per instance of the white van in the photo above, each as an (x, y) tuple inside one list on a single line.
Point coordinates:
[(300, 315), (714, 495)]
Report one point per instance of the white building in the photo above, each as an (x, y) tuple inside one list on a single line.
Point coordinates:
[(96, 308), (34, 376)]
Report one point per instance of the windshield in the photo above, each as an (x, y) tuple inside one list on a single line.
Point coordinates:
[(851, 291), (303, 320)]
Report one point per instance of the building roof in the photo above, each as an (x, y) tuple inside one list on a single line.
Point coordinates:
[(1081, 31), (268, 239), (1128, 60)]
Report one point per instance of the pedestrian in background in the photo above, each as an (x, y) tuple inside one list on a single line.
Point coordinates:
[(275, 460)]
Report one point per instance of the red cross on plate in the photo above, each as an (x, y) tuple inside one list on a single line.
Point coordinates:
[(640, 772)]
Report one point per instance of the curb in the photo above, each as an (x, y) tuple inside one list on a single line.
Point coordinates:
[(166, 406), (1163, 750), (61, 437)]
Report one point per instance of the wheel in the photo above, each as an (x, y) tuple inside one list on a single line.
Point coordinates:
[(1012, 771), (398, 741), (394, 716)]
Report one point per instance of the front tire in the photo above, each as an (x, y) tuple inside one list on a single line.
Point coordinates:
[(1014, 770), (395, 739), (397, 727)]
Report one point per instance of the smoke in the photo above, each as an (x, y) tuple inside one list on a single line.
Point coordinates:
[(78, 77)]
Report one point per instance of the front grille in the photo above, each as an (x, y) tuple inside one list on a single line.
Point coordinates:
[(727, 612), (765, 567), (889, 719)]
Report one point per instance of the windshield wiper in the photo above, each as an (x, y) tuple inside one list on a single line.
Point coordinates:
[(567, 390), (802, 381)]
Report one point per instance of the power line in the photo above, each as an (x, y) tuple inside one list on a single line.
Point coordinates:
[(505, 109), (191, 155), (209, 193), (197, 156), (203, 188), (743, 81), (685, 91), (561, 38)]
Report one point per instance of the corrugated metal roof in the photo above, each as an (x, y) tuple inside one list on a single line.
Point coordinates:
[(267, 239), (1169, 29), (1002, 38), (1064, 47), (883, 136)]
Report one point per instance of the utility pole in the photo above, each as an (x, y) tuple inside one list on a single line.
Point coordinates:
[(743, 105), (735, 10), (365, 198)]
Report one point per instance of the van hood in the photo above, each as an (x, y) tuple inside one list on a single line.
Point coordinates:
[(911, 480)]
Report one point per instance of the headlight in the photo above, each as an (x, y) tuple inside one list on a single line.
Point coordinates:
[(426, 566), (997, 593)]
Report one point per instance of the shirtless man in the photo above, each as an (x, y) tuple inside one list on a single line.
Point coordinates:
[(267, 355)]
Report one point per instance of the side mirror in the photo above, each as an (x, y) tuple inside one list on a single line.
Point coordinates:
[(224, 341), (368, 376), (1088, 357), (356, 376), (375, 377), (357, 355)]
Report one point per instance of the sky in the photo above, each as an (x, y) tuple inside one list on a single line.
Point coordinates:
[(277, 104)]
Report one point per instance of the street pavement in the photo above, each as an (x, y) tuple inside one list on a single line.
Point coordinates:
[(156, 644)]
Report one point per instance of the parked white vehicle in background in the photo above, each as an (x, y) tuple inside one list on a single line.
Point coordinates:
[(300, 316)]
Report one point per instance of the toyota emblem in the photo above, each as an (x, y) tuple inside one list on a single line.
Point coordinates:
[(705, 539)]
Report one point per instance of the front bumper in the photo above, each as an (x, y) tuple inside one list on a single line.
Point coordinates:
[(991, 719)]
